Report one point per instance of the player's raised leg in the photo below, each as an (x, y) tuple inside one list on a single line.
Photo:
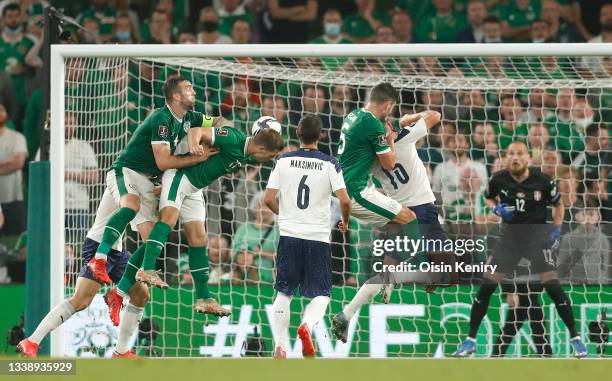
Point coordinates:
[(198, 256), (129, 204)]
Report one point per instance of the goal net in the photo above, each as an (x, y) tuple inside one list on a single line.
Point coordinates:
[(485, 101)]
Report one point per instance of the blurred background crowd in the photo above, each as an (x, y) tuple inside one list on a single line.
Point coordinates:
[(566, 128)]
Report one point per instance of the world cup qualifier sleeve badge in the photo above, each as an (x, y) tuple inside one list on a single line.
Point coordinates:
[(163, 131)]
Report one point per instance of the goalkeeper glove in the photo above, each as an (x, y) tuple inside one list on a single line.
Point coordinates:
[(555, 237), (504, 211)]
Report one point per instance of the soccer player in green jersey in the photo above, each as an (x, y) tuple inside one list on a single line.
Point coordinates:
[(149, 152), (182, 197), (366, 138)]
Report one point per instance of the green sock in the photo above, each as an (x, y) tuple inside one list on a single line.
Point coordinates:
[(198, 265), (129, 274), (155, 244), (113, 230)]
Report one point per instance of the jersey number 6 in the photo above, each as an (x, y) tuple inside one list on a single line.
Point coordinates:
[(303, 194)]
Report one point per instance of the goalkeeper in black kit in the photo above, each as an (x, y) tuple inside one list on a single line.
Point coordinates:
[(520, 196)]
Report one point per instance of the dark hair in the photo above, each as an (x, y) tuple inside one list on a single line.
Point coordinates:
[(271, 140), (383, 92), (491, 19), (593, 129), (11, 7), (171, 86), (309, 129)]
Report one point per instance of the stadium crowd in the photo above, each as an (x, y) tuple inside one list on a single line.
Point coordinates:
[(566, 129)]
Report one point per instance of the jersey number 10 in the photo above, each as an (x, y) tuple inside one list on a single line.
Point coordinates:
[(398, 173)]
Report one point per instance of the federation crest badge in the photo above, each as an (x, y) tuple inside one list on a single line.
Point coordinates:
[(186, 126), (537, 195), (163, 131)]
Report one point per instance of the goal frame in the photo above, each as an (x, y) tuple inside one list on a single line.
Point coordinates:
[(60, 52)]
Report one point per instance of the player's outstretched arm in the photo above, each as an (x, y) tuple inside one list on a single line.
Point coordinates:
[(165, 160), (430, 117), (345, 208), (270, 200)]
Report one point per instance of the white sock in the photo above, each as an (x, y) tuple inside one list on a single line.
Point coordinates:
[(100, 256), (366, 294), (56, 317), (315, 310), (281, 314), (127, 327)]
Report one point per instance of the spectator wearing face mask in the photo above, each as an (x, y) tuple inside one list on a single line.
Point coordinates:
[(332, 34), (209, 28), (492, 30), (123, 31)]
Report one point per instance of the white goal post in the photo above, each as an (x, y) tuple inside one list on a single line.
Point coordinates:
[(59, 54)]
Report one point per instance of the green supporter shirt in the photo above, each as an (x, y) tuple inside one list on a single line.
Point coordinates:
[(160, 127), (232, 144), (332, 63), (506, 136), (12, 54), (362, 138), (520, 17), (565, 137), (439, 29), (248, 237), (358, 27)]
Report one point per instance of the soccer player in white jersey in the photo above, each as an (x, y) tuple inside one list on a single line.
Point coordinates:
[(304, 181), (87, 285), (408, 184)]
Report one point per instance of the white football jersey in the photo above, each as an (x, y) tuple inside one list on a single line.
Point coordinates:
[(305, 180), (407, 183)]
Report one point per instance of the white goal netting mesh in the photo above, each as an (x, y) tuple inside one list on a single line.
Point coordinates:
[(549, 102)]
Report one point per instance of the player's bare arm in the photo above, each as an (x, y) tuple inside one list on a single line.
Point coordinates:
[(430, 117), (387, 159), (165, 160), (345, 208), (272, 202)]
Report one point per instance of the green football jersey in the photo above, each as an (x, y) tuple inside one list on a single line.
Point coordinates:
[(160, 127), (362, 138), (232, 144), (12, 54)]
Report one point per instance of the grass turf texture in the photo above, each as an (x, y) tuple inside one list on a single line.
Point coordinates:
[(328, 369)]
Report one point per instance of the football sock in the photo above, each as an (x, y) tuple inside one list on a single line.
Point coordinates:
[(563, 305), (113, 230), (127, 327), (281, 315), (198, 266), (56, 317), (480, 306), (365, 295), (535, 314), (155, 243), (511, 327), (129, 274), (315, 310)]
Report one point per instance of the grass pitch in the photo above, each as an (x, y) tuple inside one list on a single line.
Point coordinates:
[(345, 369)]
